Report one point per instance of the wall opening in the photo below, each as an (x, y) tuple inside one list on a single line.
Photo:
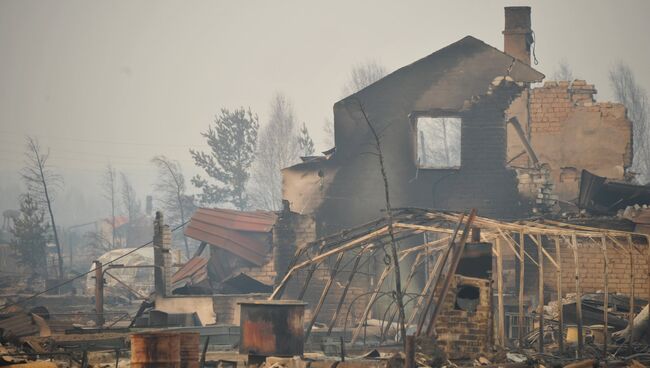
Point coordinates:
[(467, 298), (438, 142)]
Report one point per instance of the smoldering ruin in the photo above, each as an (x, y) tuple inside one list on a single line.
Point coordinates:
[(471, 212)]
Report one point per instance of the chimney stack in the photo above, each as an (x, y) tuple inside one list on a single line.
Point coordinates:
[(517, 35)]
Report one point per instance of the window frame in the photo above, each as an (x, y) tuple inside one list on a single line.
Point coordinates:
[(434, 114)]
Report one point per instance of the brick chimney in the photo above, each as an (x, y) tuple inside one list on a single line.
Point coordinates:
[(162, 258), (517, 35)]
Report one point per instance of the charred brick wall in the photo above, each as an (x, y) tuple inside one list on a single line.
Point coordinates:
[(464, 334), (591, 263), (291, 232), (570, 131)]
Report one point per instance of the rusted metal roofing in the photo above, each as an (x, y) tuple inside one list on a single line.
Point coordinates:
[(193, 272), (238, 232)]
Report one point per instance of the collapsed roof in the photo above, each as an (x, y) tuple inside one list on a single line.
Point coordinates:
[(238, 232)]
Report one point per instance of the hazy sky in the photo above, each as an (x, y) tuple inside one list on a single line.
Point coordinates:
[(100, 81)]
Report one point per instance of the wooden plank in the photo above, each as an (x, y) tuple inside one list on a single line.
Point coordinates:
[(502, 313), (560, 312), (436, 279), (605, 297), (574, 248), (631, 315), (548, 256), (520, 327), (510, 242), (540, 296)]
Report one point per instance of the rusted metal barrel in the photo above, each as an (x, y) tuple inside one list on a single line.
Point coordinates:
[(272, 328), (190, 350), (156, 350)]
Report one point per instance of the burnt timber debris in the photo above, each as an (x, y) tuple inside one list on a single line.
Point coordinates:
[(509, 248)]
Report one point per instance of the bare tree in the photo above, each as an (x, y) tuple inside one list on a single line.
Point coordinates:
[(109, 188), (363, 75), (171, 187), (131, 204), (628, 92), (563, 71), (399, 300), (42, 184), (278, 147)]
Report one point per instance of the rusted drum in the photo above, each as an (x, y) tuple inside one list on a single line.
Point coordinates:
[(190, 350), (272, 328), (156, 350)]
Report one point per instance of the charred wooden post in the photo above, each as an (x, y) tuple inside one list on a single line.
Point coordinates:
[(647, 262), (560, 312), (540, 304), (99, 294), (502, 314), (574, 248), (409, 352), (437, 276), (520, 327), (605, 297), (631, 315)]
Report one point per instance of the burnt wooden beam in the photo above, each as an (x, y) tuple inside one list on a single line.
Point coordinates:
[(437, 277), (558, 255), (605, 297), (540, 304), (520, 327), (574, 248), (450, 274), (501, 306)]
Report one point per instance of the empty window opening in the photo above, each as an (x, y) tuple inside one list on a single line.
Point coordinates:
[(438, 142), (467, 298)]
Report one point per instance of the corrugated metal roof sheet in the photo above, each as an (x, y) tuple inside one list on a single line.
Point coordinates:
[(192, 273), (235, 231)]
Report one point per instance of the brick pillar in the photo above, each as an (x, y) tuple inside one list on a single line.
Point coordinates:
[(162, 240), (284, 241)]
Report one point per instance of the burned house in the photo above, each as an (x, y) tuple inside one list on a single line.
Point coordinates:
[(465, 127), (469, 126), (461, 128)]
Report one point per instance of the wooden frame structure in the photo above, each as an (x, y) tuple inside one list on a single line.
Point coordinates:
[(358, 245)]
